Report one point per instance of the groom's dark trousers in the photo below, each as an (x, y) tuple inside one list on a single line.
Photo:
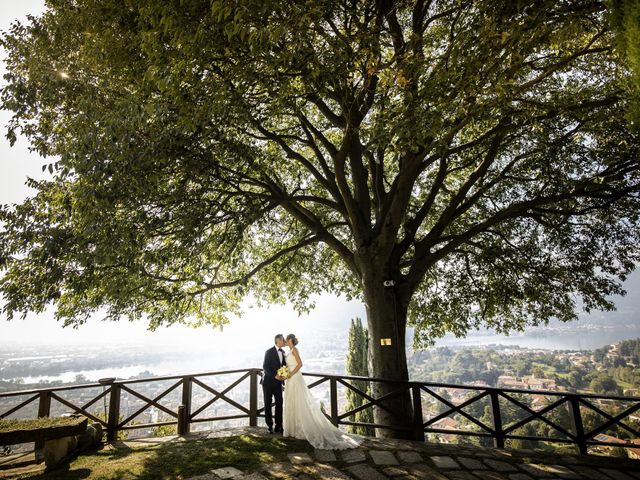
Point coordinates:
[(272, 388)]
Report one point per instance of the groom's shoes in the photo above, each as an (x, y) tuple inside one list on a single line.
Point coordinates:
[(280, 431)]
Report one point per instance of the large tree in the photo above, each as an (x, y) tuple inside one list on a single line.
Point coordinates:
[(452, 163)]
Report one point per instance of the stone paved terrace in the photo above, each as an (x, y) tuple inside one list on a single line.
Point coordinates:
[(379, 459)]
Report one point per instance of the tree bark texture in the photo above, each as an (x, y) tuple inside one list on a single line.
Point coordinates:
[(387, 318)]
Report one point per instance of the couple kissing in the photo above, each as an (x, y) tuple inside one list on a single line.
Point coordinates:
[(301, 416)]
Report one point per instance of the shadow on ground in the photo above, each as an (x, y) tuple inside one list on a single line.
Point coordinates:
[(171, 459)]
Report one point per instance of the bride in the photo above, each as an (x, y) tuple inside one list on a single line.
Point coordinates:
[(303, 417)]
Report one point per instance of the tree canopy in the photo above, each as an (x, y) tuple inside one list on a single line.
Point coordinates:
[(475, 154), (625, 17)]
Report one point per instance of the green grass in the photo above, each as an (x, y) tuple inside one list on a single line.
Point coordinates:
[(625, 385), (37, 423), (177, 460), (547, 369)]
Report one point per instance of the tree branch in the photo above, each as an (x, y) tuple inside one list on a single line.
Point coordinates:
[(311, 221), (243, 279), (335, 120), (449, 213), (424, 258)]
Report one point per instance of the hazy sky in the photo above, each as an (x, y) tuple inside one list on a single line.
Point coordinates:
[(17, 163)]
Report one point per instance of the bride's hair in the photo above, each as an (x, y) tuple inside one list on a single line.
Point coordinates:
[(293, 338)]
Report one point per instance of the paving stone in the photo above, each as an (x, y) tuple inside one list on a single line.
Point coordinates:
[(566, 472), (383, 457), (304, 476), (324, 471), (460, 475), (227, 472), (258, 476), (635, 474), (500, 466), (409, 457), (365, 472), (571, 459), (353, 456), (393, 444), (299, 458), (520, 476), (536, 470), (280, 470), (394, 472), (616, 474), (486, 475), (444, 462), (325, 455), (590, 473), (423, 471), (484, 453), (503, 453), (540, 471), (471, 463), (206, 476), (526, 451)]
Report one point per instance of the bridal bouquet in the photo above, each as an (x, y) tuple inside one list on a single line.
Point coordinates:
[(283, 372)]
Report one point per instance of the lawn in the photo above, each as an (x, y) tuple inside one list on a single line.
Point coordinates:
[(176, 459)]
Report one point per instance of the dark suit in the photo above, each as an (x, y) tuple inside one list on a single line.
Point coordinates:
[(272, 388)]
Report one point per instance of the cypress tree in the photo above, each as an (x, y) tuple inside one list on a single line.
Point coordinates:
[(357, 365)]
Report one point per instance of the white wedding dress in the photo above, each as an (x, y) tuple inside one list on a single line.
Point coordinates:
[(304, 419)]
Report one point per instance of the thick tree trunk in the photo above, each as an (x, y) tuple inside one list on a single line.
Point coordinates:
[(387, 319)]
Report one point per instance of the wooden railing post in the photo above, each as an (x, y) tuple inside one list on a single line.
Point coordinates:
[(498, 434), (253, 398), (333, 389), (114, 412), (181, 420), (576, 421), (418, 421), (184, 419), (44, 404), (44, 409)]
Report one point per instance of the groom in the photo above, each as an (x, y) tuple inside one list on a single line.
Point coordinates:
[(272, 383)]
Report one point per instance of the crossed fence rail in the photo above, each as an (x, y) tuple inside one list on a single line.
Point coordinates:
[(423, 394)]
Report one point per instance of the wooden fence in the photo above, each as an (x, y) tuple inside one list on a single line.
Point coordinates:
[(423, 394)]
